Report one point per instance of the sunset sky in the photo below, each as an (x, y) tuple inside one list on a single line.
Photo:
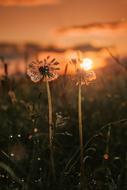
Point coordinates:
[(88, 25)]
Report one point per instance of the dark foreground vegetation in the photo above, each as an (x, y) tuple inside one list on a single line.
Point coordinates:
[(24, 147)]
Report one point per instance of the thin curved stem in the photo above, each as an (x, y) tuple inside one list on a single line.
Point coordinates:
[(75, 157)]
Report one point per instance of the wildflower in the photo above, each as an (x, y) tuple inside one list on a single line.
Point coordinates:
[(84, 72), (45, 70), (85, 77)]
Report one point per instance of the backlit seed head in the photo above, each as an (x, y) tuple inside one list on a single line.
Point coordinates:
[(45, 70)]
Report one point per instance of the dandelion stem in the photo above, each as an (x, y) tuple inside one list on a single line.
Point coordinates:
[(80, 135), (50, 120)]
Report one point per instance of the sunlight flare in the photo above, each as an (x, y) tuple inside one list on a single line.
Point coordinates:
[(87, 64)]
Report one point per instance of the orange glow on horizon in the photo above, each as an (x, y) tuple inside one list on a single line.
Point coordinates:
[(90, 61)]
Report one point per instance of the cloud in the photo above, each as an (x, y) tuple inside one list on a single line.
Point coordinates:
[(37, 48), (27, 2), (11, 51), (88, 48), (111, 26), (81, 47)]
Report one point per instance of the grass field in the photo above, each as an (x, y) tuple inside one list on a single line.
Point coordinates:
[(24, 147)]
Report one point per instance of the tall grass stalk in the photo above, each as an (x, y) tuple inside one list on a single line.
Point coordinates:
[(50, 123)]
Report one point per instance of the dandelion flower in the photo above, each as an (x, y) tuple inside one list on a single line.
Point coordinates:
[(84, 72), (85, 77), (45, 70)]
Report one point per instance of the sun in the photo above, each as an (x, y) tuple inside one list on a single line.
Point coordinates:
[(87, 64)]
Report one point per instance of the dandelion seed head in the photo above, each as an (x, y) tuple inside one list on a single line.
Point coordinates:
[(45, 70), (84, 72)]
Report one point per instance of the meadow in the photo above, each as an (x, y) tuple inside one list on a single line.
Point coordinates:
[(24, 146)]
